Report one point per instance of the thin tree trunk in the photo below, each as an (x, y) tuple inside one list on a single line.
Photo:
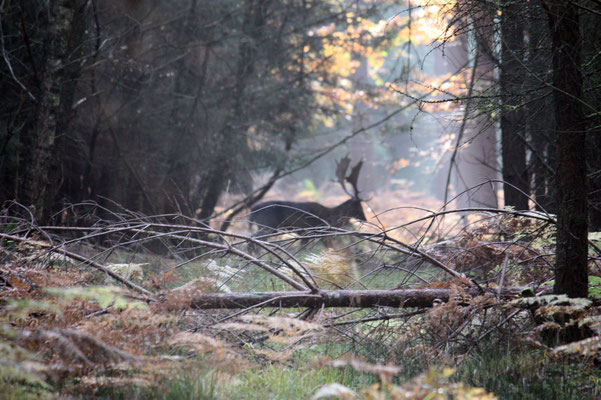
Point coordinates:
[(539, 110), (513, 132), (477, 158), (361, 146), (230, 144), (571, 275)]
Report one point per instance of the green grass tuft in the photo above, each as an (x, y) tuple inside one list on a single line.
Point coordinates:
[(282, 382)]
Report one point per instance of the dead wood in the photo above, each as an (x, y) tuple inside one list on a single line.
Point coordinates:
[(337, 298)]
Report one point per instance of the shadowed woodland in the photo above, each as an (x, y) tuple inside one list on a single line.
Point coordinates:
[(300, 199)]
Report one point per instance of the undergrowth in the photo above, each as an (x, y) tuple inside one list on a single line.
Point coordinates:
[(518, 372), (67, 331)]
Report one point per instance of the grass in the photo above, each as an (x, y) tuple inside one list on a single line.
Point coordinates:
[(254, 278), (270, 382), (22, 391), (509, 372), (296, 382), (512, 372), (201, 387)]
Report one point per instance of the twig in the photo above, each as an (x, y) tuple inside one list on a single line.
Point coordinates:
[(247, 309), (82, 259), (488, 332), (501, 281), (378, 318)]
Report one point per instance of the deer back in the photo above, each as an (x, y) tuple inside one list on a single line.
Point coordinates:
[(288, 214)]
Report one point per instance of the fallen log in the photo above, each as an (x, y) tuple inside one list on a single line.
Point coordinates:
[(337, 298)]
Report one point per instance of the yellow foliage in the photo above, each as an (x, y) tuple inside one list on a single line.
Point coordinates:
[(332, 268)]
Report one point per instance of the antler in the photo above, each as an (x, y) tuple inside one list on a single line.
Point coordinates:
[(341, 168)]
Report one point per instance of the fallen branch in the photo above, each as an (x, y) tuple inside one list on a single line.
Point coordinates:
[(80, 258), (336, 298)]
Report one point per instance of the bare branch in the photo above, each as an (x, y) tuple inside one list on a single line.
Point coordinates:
[(82, 259)]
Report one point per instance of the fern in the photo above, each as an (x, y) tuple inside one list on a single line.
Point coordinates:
[(20, 371), (20, 309), (587, 347), (551, 300), (594, 287), (105, 296)]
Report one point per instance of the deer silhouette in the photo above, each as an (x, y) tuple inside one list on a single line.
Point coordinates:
[(280, 216)]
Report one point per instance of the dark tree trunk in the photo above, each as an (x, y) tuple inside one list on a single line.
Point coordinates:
[(214, 182), (513, 139), (539, 110), (176, 182), (45, 139), (571, 275)]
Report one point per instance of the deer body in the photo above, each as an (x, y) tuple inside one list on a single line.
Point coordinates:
[(287, 215)]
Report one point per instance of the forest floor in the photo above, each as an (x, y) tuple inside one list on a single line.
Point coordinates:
[(68, 330)]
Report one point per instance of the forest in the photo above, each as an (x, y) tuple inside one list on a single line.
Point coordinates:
[(300, 199)]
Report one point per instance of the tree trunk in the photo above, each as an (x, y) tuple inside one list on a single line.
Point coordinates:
[(226, 152), (45, 139), (477, 157), (539, 110), (571, 275), (513, 138)]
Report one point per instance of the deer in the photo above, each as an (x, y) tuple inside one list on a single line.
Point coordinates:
[(274, 216)]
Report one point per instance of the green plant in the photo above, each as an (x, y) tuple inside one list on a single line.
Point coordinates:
[(200, 387), (103, 295), (519, 372), (290, 382)]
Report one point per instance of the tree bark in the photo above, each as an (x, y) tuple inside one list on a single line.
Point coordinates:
[(571, 274), (335, 298), (540, 119), (44, 140), (515, 173)]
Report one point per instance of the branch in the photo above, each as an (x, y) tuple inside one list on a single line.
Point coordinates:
[(335, 298), (82, 259)]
